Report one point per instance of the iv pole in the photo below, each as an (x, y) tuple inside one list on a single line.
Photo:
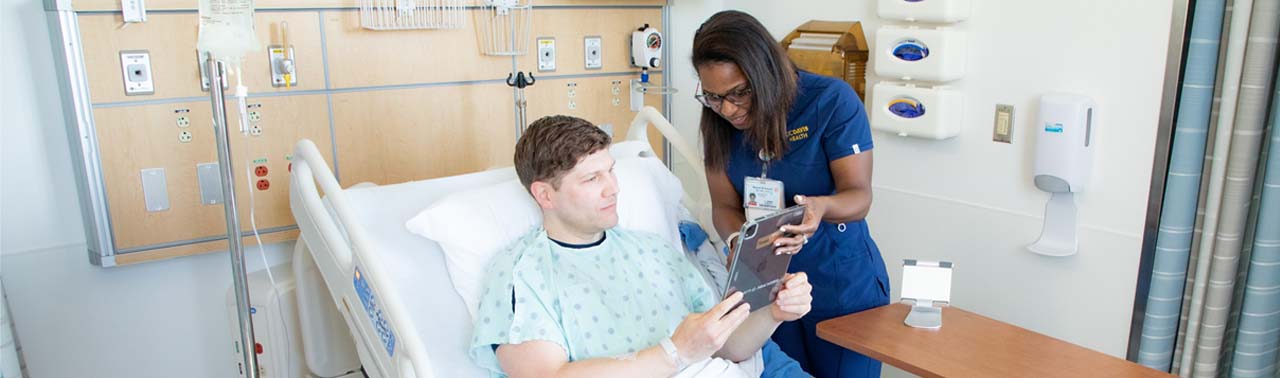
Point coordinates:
[(249, 365)]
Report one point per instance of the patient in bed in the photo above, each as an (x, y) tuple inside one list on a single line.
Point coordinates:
[(578, 297)]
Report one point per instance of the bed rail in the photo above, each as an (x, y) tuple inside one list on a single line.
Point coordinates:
[(331, 229), (345, 240)]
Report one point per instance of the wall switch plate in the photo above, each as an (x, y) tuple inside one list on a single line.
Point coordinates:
[(135, 65), (155, 190), (133, 10), (591, 46), (210, 178), (546, 54), (1003, 129)]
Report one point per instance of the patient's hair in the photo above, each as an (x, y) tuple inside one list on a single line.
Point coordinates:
[(552, 146)]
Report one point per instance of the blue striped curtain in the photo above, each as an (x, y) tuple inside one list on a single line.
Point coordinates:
[(1182, 188), (1258, 336)]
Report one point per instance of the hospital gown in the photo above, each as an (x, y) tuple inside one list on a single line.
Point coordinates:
[(619, 297)]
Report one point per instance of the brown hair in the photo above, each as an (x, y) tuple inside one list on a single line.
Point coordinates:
[(736, 37), (552, 146)]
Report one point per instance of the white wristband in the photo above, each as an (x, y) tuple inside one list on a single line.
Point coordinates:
[(673, 354)]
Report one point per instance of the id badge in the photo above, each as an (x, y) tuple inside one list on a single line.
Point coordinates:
[(761, 197)]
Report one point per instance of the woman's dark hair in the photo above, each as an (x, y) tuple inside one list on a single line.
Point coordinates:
[(736, 37)]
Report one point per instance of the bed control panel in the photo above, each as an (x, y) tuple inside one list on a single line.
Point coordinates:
[(371, 308)]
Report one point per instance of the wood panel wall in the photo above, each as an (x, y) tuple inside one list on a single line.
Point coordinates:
[(384, 106)]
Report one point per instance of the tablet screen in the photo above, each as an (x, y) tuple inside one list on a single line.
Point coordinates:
[(755, 270), (926, 282)]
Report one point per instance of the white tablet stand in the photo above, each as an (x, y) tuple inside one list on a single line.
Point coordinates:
[(926, 283)]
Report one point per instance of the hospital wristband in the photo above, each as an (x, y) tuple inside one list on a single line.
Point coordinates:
[(673, 354)]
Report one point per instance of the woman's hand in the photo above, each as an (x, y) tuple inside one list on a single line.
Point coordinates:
[(794, 300), (815, 209)]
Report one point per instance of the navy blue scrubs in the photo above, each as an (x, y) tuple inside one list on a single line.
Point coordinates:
[(826, 122)]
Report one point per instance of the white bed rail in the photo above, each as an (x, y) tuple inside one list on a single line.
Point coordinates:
[(410, 359), (649, 116)]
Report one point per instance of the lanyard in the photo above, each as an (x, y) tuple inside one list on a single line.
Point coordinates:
[(764, 166)]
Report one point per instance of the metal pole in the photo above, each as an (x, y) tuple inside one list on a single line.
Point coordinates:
[(250, 363)]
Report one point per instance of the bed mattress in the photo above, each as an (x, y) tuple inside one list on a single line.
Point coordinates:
[(416, 264)]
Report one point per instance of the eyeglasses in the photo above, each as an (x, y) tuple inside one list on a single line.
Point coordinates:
[(738, 97)]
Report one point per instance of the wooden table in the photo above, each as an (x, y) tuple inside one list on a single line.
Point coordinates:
[(970, 345)]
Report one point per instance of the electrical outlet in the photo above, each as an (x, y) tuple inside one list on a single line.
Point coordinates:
[(255, 130), (617, 89), (135, 66), (183, 121), (591, 46), (263, 184), (255, 116), (260, 171), (184, 136), (546, 54)]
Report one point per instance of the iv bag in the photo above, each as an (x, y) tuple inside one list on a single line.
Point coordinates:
[(226, 29)]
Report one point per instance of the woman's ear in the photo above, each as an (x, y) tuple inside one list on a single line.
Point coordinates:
[(541, 192)]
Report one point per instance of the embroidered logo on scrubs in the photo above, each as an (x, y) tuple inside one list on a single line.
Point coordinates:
[(799, 133)]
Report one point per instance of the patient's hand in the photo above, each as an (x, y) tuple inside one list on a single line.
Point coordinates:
[(794, 300), (700, 335)]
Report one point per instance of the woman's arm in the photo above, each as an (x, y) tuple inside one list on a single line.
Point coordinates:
[(726, 203), (851, 201)]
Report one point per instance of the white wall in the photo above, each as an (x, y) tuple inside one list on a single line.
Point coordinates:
[(971, 201), (686, 16), (162, 319)]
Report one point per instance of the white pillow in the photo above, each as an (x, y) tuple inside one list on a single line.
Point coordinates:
[(474, 225)]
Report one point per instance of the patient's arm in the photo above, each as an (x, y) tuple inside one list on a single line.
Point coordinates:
[(546, 359), (696, 338), (793, 302)]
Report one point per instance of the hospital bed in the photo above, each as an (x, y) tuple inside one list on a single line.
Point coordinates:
[(367, 287)]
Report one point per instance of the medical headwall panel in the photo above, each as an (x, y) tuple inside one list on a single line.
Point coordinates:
[(170, 38), (137, 138), (414, 134), (941, 11), (923, 112), (259, 5), (912, 53), (360, 57), (570, 26), (384, 107), (601, 100)]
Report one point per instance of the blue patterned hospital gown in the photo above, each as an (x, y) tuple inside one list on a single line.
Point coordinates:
[(618, 297)]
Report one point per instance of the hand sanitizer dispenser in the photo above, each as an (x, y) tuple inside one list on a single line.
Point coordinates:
[(1065, 130)]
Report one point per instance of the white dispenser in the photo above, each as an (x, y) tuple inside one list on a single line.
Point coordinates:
[(1065, 131), (1064, 144)]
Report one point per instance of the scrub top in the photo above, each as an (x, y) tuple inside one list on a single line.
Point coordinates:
[(827, 121)]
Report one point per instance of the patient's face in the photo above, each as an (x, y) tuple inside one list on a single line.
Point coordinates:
[(588, 196)]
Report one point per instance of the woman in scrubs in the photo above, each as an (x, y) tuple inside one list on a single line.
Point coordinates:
[(774, 131)]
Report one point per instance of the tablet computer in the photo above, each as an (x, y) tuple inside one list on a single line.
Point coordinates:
[(754, 269)]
